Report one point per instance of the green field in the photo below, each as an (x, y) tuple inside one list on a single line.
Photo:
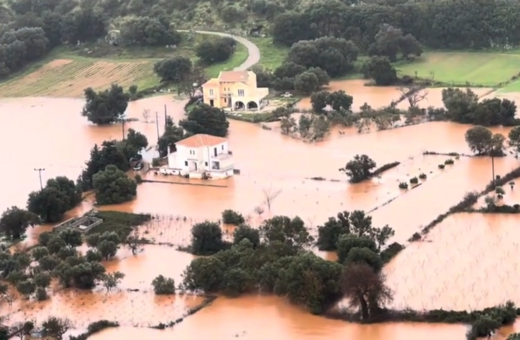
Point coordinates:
[(457, 68), (271, 56), (66, 72)]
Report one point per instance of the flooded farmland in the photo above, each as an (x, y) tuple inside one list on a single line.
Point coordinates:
[(430, 274)]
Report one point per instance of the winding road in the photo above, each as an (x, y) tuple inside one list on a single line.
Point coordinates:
[(253, 53)]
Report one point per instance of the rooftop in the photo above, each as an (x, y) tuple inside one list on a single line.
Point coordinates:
[(199, 140), (234, 76)]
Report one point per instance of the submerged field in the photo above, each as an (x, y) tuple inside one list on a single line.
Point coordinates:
[(477, 69)]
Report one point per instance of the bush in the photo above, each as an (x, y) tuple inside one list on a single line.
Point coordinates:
[(163, 285), (232, 217), (441, 166), (94, 328), (403, 185), (423, 176), (414, 180), (138, 179), (391, 251), (500, 191), (449, 162), (383, 168)]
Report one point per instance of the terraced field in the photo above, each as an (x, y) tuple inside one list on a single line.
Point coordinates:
[(69, 77)]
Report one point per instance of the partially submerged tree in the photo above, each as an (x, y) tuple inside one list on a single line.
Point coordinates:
[(359, 168), (111, 280), (363, 286), (113, 186), (413, 94), (163, 285), (14, 221), (105, 107), (56, 327)]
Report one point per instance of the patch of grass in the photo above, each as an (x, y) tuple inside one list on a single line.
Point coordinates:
[(457, 68), (119, 222), (253, 117), (271, 55)]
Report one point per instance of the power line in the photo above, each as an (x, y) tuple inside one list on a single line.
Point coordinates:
[(40, 173)]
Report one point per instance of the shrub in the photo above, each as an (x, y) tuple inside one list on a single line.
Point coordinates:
[(516, 206), (383, 168), (232, 217), (441, 166), (403, 185), (423, 176), (138, 179), (163, 285), (414, 180), (499, 191), (449, 162), (415, 237), (391, 251)]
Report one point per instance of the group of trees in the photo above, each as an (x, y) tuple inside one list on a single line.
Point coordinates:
[(216, 50), (338, 101), (444, 24), (148, 31), (37, 28), (483, 142), (291, 76), (106, 106), (181, 72), (274, 258)]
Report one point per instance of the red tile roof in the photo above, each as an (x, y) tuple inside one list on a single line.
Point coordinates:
[(201, 140)]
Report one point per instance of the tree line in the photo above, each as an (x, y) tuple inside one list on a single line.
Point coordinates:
[(436, 24)]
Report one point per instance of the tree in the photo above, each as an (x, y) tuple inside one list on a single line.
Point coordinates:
[(38, 253), (72, 237), (310, 281), (460, 104), (270, 196), (42, 280), (306, 83), (390, 40), (339, 100), (134, 242), (323, 76), (49, 204), (107, 244), (9, 297), (14, 221), (55, 244), (111, 280), (136, 139), (513, 336), (348, 242), (206, 119), (49, 263), (362, 286), (232, 217), (246, 232), (215, 51), (192, 82), (206, 238), (105, 107), (413, 94), (289, 70), (361, 255), (291, 232), (319, 101), (380, 69), (163, 285), (171, 135), (112, 186), (56, 327), (175, 70), (26, 288), (330, 232), (68, 187), (359, 169), (479, 139), (514, 139), (109, 154), (204, 273)]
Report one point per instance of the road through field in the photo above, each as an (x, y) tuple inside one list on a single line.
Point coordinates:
[(252, 50)]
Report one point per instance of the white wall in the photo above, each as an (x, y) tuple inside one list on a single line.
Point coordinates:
[(202, 156)]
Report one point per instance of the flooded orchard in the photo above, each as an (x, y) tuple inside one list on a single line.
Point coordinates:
[(51, 134)]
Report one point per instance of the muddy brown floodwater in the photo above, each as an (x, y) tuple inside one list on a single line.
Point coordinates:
[(51, 134)]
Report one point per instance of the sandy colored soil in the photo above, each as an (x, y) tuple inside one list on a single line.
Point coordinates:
[(69, 78)]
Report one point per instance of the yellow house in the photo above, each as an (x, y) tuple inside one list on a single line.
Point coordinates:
[(235, 90)]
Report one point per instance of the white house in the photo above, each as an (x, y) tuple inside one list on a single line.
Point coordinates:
[(201, 156)]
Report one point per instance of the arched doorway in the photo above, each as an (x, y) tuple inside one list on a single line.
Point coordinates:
[(239, 105), (252, 105)]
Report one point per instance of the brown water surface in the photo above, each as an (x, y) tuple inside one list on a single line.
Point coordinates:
[(51, 134)]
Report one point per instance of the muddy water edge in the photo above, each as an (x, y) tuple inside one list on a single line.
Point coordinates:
[(60, 140)]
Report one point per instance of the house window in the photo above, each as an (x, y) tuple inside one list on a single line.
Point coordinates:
[(241, 93), (211, 92), (224, 100), (186, 163), (222, 147), (206, 163), (192, 152)]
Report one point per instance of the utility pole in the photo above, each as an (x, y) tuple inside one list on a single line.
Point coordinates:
[(123, 126), (157, 124), (165, 115), (493, 170), (40, 173)]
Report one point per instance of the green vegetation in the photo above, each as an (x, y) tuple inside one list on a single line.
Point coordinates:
[(485, 69), (118, 222), (271, 55)]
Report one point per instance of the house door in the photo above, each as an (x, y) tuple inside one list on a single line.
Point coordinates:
[(211, 102), (215, 151), (195, 165)]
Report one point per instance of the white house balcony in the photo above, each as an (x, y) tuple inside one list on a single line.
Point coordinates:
[(223, 156)]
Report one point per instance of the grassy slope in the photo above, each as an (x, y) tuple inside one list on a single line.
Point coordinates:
[(100, 65), (477, 68)]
